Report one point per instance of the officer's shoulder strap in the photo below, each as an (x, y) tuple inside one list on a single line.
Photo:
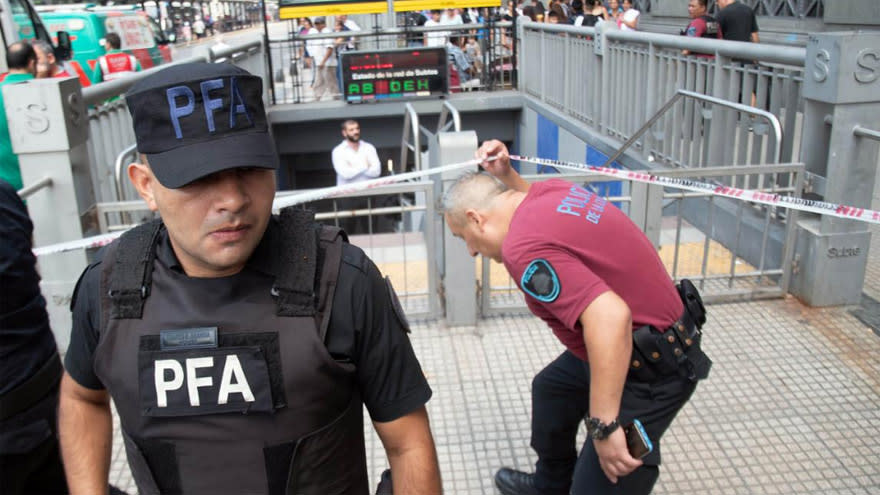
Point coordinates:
[(331, 241), (308, 258), (132, 270)]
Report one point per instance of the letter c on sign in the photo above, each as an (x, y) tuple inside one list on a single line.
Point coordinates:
[(820, 66)]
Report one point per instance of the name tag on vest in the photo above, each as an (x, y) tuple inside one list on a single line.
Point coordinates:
[(204, 381)]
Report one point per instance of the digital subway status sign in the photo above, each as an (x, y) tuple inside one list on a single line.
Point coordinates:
[(394, 74)]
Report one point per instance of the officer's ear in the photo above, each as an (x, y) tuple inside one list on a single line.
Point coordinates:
[(475, 218), (143, 180)]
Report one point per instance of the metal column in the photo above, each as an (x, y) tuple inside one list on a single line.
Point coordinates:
[(458, 270), (48, 127), (841, 92)]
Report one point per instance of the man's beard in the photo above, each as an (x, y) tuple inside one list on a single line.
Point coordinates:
[(353, 139)]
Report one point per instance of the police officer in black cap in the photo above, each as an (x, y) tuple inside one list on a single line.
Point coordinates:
[(238, 347)]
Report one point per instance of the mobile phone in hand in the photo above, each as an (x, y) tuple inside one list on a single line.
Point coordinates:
[(637, 440)]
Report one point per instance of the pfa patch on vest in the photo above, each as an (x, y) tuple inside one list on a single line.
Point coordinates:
[(204, 381), (539, 280)]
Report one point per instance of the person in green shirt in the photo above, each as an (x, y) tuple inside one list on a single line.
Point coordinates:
[(22, 62)]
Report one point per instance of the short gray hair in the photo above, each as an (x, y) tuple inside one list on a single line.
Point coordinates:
[(473, 190), (43, 45)]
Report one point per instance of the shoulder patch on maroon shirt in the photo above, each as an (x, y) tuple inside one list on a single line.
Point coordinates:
[(539, 280)]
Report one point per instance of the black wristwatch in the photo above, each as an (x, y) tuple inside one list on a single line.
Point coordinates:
[(598, 430)]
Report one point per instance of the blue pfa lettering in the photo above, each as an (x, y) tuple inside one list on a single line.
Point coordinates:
[(179, 111), (182, 103), (211, 104)]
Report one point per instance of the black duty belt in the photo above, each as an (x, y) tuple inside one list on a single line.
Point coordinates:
[(32, 390), (674, 351)]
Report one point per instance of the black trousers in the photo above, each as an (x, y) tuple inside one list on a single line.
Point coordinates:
[(30, 460), (560, 401)]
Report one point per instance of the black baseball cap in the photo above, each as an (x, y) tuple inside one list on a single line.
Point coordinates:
[(192, 120)]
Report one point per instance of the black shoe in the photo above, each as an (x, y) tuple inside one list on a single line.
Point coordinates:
[(512, 482)]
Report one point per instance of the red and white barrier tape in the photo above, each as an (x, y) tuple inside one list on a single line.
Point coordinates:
[(282, 202), (330, 192), (88, 242), (800, 204), (820, 207)]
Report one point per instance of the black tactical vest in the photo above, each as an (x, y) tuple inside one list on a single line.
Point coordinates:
[(231, 392), (711, 27)]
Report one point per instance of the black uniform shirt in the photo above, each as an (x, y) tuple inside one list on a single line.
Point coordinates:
[(389, 375), (737, 22), (26, 341)]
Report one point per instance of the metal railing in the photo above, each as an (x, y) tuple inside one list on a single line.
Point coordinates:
[(394, 231), (614, 81), (447, 111), (712, 252), (410, 141), (294, 72)]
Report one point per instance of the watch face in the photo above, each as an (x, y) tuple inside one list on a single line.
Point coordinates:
[(598, 430)]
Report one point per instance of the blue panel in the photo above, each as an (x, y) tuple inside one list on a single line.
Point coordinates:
[(604, 189), (548, 142)]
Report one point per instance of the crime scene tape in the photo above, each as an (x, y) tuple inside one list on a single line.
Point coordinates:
[(279, 203), (328, 192), (820, 207)]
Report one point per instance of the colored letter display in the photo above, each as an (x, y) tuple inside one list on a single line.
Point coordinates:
[(394, 74)]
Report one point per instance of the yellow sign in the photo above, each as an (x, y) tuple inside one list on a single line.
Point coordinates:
[(340, 8), (408, 5), (297, 8)]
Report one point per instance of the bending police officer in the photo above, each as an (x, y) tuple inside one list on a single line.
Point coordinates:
[(592, 275), (238, 347)]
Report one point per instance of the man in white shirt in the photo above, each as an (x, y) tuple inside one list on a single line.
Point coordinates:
[(325, 62), (435, 38), (354, 161)]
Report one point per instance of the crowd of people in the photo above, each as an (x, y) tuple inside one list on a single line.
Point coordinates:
[(466, 47)]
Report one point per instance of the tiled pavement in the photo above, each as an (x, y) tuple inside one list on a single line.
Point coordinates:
[(792, 404)]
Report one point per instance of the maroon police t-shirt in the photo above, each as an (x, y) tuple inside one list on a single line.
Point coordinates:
[(566, 246)]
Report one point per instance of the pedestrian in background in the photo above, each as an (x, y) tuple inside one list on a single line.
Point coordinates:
[(629, 20), (325, 62), (702, 25), (115, 63), (354, 160), (737, 21), (21, 59)]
